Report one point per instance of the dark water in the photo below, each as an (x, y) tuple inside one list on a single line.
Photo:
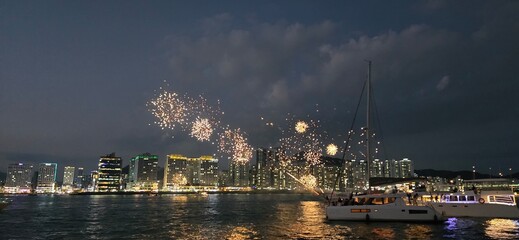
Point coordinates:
[(224, 216)]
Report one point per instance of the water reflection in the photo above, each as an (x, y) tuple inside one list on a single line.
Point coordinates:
[(180, 198), (218, 217), (419, 231), (502, 228), (305, 220), (383, 233), (242, 232)]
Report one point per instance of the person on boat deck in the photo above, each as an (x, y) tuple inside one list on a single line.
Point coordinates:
[(409, 197), (474, 189), (415, 198), (436, 198)]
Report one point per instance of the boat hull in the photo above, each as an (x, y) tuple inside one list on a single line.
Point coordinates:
[(382, 213), (476, 210)]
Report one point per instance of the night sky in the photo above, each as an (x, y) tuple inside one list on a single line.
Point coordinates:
[(75, 76)]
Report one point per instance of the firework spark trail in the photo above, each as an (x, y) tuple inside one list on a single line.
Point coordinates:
[(307, 180), (234, 144), (302, 138)]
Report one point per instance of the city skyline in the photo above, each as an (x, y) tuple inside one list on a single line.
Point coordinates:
[(76, 77)]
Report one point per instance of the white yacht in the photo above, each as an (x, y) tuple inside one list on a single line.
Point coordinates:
[(381, 207), (492, 204)]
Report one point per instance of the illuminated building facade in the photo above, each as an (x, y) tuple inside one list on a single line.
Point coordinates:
[(109, 173), (391, 169), (143, 172), (208, 171), (68, 176), (326, 174), (406, 168), (19, 178), (239, 174), (263, 169), (377, 168), (47, 173), (180, 171), (79, 179)]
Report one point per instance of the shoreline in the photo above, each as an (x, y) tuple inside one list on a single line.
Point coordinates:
[(167, 193)]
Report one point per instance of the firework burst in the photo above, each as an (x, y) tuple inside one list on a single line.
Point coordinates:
[(303, 139), (193, 115), (301, 126), (331, 149), (308, 181), (169, 109), (234, 144), (201, 129), (179, 180)]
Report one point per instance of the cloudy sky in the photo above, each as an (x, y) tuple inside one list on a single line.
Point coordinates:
[(75, 76)]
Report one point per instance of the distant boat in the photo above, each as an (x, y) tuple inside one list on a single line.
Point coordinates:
[(4, 203), (377, 207), (491, 204)]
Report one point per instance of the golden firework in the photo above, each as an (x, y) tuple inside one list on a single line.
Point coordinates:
[(331, 149), (301, 126), (201, 129), (309, 181)]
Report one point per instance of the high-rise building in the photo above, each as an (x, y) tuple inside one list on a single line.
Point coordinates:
[(19, 178), (239, 174), (47, 173), (91, 181), (180, 170), (359, 174), (391, 169), (68, 176), (109, 173), (406, 168), (326, 174), (79, 179), (143, 172), (377, 168), (208, 171), (263, 174)]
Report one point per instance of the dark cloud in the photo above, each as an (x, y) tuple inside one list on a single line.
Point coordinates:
[(444, 77)]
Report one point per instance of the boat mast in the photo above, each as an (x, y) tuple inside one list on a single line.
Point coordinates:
[(368, 118)]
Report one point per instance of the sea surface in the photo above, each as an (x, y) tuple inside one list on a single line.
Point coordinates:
[(215, 216)]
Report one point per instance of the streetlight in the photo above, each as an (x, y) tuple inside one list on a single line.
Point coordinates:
[(473, 172), (490, 170)]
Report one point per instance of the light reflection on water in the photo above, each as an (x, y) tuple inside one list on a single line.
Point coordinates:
[(502, 229), (226, 216)]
